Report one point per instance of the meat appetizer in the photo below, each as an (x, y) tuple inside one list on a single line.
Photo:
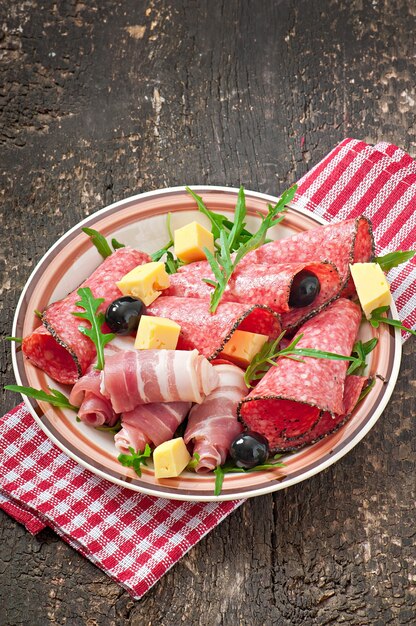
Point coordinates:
[(221, 349)]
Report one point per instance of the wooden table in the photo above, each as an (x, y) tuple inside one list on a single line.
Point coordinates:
[(101, 102)]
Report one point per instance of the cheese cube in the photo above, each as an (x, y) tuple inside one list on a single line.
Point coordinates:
[(170, 458), (156, 333), (145, 282), (372, 287), (243, 346), (190, 240)]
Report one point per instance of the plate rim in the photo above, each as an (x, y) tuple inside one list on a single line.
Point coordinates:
[(270, 487)]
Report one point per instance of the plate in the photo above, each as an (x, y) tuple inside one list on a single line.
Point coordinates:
[(140, 221)]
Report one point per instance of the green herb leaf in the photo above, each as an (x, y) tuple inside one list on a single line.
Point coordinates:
[(269, 355), (222, 265), (15, 339), (361, 350), (365, 391), (90, 306), (99, 241), (56, 398), (193, 462), (394, 259), (116, 244), (377, 318), (228, 468), (110, 429), (216, 219), (135, 459), (38, 313)]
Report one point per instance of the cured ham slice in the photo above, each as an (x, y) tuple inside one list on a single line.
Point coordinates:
[(213, 425), (138, 377), (207, 332), (59, 348), (94, 408), (295, 398), (150, 423)]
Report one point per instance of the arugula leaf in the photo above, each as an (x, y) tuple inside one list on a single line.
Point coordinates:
[(110, 429), (56, 398), (16, 339), (228, 468), (90, 306), (361, 350), (116, 244), (193, 462), (377, 318), (135, 459), (99, 241), (268, 355), (365, 391), (216, 219), (222, 265), (394, 259)]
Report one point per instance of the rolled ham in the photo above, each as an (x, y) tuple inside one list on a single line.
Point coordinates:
[(58, 347), (94, 408), (138, 377), (150, 423), (213, 425), (297, 402)]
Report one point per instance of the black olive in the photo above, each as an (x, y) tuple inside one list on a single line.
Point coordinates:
[(249, 449), (123, 315), (305, 288)]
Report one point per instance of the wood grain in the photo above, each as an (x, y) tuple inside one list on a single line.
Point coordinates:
[(102, 100)]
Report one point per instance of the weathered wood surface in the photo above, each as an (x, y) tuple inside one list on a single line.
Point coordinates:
[(99, 101)]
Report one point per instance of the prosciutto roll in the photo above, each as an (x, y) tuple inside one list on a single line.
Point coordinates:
[(59, 348), (207, 332), (150, 423), (298, 400), (94, 408), (213, 425), (138, 377)]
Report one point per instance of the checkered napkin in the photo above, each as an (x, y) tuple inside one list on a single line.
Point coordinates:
[(135, 538), (379, 182)]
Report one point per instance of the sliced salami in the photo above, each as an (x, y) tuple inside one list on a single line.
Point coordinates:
[(342, 243), (60, 349), (290, 399), (207, 332), (263, 284)]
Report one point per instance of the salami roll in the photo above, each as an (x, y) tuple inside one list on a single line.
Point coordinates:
[(297, 402), (262, 284), (342, 243), (59, 348), (209, 332)]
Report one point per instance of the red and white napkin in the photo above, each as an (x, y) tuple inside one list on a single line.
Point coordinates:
[(136, 538)]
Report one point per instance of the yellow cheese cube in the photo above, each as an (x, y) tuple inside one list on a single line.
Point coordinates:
[(170, 458), (372, 287), (157, 333), (243, 346), (190, 241), (145, 282)]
